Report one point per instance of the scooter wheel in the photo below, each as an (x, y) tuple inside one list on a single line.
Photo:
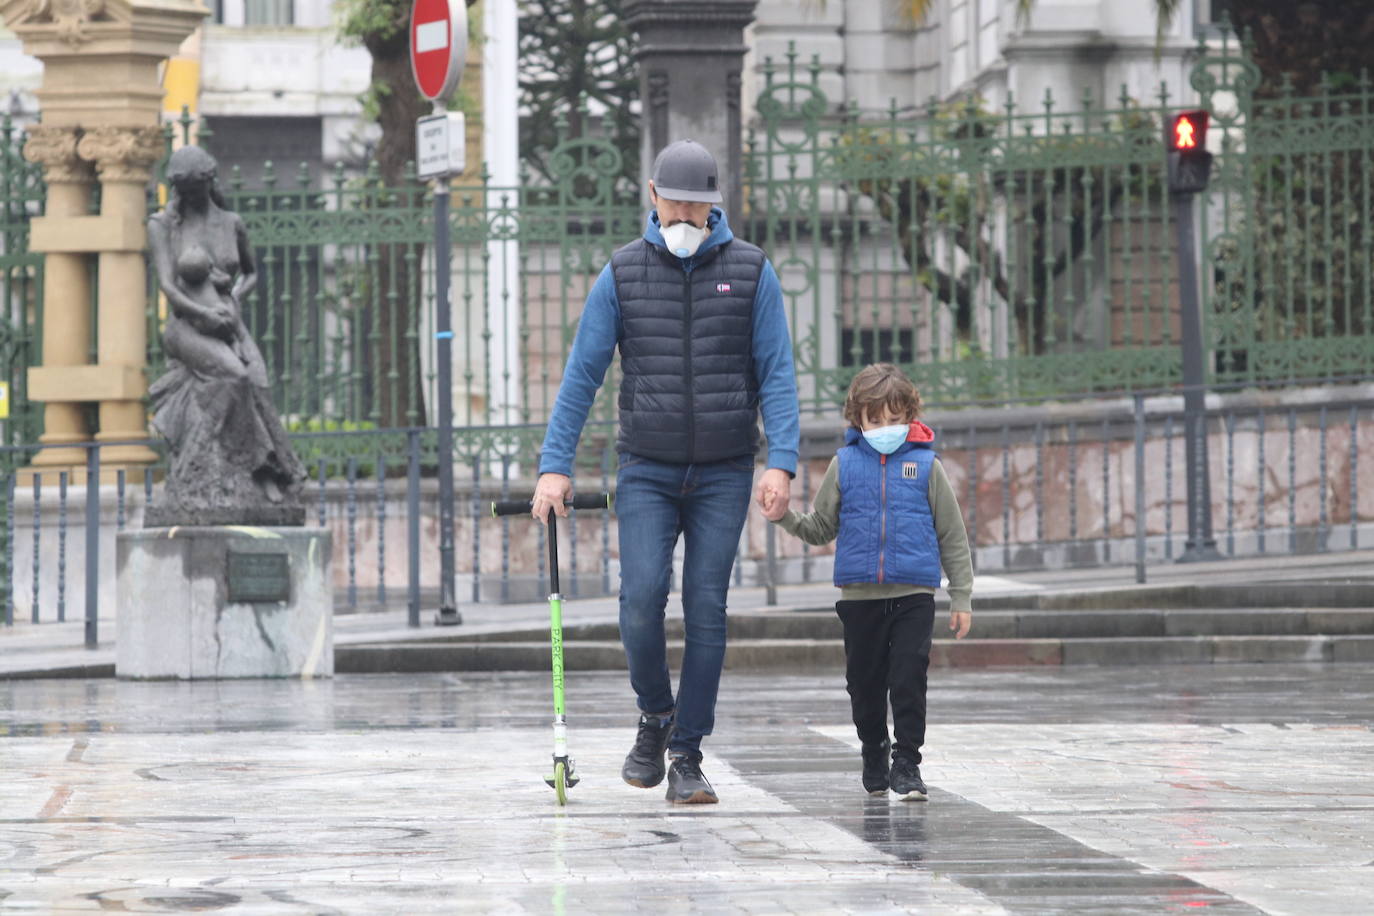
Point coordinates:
[(560, 782)]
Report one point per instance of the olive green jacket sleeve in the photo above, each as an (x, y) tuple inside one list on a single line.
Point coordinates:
[(955, 556), (822, 524)]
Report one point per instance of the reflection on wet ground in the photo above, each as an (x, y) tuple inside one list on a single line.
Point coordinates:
[(1237, 789)]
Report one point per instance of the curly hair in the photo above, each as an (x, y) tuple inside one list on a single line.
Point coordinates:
[(879, 388)]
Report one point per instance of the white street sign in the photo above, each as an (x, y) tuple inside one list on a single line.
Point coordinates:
[(440, 145)]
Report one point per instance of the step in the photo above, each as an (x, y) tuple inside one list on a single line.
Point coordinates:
[(37, 671), (804, 654), (994, 624), (1350, 592), (813, 654)]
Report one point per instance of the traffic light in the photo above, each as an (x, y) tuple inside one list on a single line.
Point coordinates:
[(1189, 131), (1190, 165)]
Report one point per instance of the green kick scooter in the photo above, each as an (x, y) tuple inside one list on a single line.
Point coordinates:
[(563, 777)]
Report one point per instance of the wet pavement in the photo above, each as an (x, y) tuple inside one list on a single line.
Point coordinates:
[(1235, 789)]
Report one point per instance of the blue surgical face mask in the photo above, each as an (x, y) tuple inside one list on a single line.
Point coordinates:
[(887, 439)]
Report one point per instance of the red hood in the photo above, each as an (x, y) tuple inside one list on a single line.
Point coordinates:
[(920, 432)]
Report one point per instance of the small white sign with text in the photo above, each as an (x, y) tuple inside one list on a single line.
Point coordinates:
[(440, 145)]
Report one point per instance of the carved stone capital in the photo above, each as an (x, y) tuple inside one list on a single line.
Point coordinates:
[(54, 148), (70, 17), (123, 153)]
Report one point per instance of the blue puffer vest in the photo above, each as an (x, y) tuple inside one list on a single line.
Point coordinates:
[(688, 393), (887, 531)]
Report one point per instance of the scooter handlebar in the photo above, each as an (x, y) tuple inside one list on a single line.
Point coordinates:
[(580, 501)]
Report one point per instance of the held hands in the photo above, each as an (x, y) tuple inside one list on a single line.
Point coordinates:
[(774, 493), (960, 622), (550, 492)]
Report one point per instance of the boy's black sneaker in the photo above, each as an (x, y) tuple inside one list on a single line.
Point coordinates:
[(875, 767), (686, 784), (644, 764), (906, 780)]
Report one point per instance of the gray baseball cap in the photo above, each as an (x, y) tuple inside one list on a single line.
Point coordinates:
[(686, 170)]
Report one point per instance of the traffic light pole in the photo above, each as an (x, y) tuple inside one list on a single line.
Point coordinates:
[(1201, 544)]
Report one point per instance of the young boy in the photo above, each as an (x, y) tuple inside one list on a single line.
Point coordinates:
[(886, 497)]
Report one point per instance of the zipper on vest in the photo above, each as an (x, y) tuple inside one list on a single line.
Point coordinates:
[(882, 537), (687, 365)]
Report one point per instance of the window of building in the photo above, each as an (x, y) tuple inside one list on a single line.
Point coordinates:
[(269, 12), (1212, 14)]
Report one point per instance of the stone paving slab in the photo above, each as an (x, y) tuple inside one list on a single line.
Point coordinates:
[(1236, 789), (258, 818)]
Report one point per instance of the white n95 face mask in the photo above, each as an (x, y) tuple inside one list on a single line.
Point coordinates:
[(683, 239)]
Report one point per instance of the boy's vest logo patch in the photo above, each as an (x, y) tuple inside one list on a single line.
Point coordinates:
[(910, 471), (722, 287)]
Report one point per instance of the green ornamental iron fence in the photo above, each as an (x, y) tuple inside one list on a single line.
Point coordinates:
[(1006, 254), (998, 255), (22, 193), (344, 304), (1289, 225)]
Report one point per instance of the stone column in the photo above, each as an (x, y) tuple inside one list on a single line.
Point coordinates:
[(124, 158), (101, 100), (66, 288), (690, 59)]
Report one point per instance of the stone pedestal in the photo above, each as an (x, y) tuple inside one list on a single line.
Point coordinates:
[(224, 602)]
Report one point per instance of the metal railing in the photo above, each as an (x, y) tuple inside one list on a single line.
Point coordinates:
[(1102, 483), (1077, 485)]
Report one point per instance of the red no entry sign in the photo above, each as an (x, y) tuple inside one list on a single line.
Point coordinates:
[(438, 45)]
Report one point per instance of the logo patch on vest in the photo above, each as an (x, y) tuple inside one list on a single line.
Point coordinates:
[(722, 287), (910, 470)]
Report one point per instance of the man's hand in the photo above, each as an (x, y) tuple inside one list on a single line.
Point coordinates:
[(550, 492), (773, 507), (774, 492), (960, 622)]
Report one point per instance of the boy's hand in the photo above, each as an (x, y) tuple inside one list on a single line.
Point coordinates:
[(773, 493), (960, 622)]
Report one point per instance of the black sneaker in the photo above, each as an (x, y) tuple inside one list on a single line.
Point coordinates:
[(644, 764), (906, 780), (875, 767), (686, 784)]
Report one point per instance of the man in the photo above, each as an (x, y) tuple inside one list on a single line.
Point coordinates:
[(698, 317)]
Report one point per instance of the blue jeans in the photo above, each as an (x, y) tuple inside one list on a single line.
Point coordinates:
[(654, 503)]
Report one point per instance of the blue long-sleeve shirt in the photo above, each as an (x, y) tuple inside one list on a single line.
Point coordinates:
[(598, 333)]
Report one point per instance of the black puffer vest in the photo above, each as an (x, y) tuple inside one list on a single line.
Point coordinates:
[(688, 393)]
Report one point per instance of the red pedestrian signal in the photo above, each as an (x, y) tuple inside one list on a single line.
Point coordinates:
[(1189, 131), (1185, 135)]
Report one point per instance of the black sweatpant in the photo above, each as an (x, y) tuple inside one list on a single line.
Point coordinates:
[(887, 653)]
